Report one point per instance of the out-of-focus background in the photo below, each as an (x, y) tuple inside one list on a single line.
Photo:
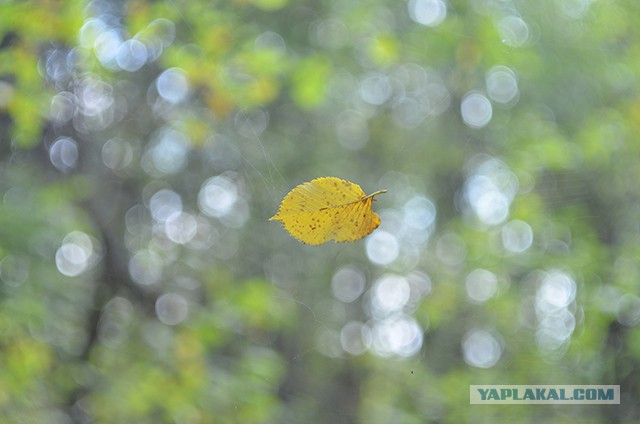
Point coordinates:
[(144, 145)]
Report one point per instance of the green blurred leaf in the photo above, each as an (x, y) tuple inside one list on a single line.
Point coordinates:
[(309, 81)]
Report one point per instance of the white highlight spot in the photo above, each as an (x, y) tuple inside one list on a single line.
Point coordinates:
[(481, 349), (481, 285), (476, 110), (382, 247), (171, 308), (427, 12)]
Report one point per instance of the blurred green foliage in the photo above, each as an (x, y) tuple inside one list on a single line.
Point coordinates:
[(144, 144)]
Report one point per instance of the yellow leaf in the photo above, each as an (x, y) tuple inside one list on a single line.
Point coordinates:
[(326, 209)]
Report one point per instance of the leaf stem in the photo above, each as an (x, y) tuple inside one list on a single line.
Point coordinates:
[(375, 193)]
